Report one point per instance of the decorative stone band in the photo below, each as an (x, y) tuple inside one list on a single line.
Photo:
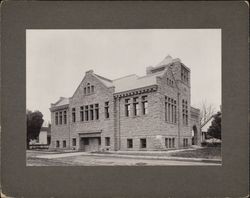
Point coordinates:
[(89, 133), (136, 91), (56, 108)]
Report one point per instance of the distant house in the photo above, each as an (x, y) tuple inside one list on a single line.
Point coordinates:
[(44, 136), (204, 130), (205, 127)]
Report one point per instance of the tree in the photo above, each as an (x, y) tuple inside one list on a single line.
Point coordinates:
[(34, 124), (206, 111), (215, 129)]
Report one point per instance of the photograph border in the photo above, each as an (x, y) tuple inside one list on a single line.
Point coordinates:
[(230, 179)]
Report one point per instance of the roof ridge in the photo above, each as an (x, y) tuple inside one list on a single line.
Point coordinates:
[(103, 78), (125, 76), (153, 74)]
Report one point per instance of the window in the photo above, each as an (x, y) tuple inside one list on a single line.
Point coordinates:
[(64, 143), (184, 112), (173, 143), (57, 144), (166, 142), (73, 114), (60, 117), (86, 113), (170, 142), (81, 113), (170, 82), (96, 111), (56, 119), (185, 142), (91, 112), (144, 105), (184, 74), (143, 143), (127, 107), (136, 106), (175, 112), (88, 88), (73, 141), (107, 141), (106, 108), (130, 143), (170, 110), (65, 117), (99, 141), (92, 88)]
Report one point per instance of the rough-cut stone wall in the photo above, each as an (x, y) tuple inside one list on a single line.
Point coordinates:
[(118, 127), (169, 129), (59, 132), (101, 95), (141, 126), (184, 93)]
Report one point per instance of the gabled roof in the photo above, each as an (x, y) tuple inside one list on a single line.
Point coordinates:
[(62, 101), (105, 81), (130, 82)]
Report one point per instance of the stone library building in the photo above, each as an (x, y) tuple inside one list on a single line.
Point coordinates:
[(151, 112)]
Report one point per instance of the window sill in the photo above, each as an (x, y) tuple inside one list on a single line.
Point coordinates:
[(170, 122)]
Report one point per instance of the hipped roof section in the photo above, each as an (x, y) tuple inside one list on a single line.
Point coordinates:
[(133, 81)]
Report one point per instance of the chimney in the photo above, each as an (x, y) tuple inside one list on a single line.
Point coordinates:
[(89, 72), (148, 70)]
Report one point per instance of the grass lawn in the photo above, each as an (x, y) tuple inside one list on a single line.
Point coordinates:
[(206, 152)]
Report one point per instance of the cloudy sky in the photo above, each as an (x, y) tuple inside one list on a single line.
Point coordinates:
[(57, 60)]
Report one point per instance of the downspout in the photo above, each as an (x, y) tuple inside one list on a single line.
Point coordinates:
[(68, 126), (119, 123), (179, 142)]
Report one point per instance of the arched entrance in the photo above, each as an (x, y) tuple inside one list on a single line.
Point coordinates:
[(194, 135)]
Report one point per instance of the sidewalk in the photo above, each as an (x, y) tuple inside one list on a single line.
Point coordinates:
[(128, 154)]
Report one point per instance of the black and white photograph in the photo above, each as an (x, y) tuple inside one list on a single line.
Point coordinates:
[(123, 97)]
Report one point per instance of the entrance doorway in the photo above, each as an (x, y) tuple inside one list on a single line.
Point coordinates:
[(194, 136), (90, 144)]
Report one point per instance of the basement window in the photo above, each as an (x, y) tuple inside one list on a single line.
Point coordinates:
[(64, 143), (107, 141), (143, 143), (73, 141), (130, 143), (57, 144)]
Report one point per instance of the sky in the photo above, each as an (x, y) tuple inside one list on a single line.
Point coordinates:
[(56, 60)]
